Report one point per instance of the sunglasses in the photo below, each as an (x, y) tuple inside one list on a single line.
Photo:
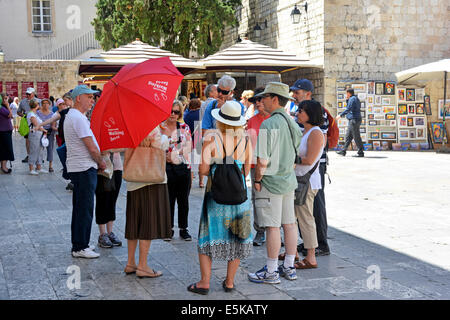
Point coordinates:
[(225, 92), (176, 112)]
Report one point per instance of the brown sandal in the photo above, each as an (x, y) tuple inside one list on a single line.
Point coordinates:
[(306, 265), (283, 255), (145, 274), (130, 269)]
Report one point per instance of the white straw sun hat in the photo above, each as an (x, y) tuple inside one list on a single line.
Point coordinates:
[(229, 113)]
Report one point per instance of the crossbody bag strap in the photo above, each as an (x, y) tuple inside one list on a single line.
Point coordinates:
[(290, 131)]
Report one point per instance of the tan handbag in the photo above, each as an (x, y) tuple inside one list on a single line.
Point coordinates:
[(144, 164)]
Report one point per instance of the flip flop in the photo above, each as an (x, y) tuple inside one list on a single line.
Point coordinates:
[(306, 265), (193, 288)]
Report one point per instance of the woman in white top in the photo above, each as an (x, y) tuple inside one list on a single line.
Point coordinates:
[(36, 155), (309, 114)]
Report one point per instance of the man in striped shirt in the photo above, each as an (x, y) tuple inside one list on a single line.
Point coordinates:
[(302, 90)]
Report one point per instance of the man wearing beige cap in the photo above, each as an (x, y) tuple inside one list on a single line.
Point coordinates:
[(277, 146)]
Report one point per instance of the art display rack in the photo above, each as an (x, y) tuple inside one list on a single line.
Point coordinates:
[(412, 118)]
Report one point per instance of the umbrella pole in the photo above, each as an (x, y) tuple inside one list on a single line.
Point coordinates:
[(444, 140), (246, 81)]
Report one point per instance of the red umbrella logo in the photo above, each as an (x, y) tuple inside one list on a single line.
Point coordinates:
[(134, 102)]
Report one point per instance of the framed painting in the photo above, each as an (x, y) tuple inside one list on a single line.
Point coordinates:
[(404, 134), (389, 135), (377, 110), (374, 135), (419, 121), (363, 114), (410, 95), (412, 134), (389, 88), (370, 116), (402, 121), (362, 96), (438, 132), (370, 99), (392, 123), (378, 100), (376, 145), (340, 105), (401, 94), (342, 131), (410, 122), (427, 105), (389, 109), (379, 88), (363, 121), (379, 117), (371, 87), (389, 116), (441, 109), (363, 105), (420, 134), (385, 101), (340, 96), (411, 109), (420, 108), (420, 93), (362, 130), (402, 109), (359, 87), (373, 122)]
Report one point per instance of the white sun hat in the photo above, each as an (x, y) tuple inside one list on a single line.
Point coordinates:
[(229, 113)]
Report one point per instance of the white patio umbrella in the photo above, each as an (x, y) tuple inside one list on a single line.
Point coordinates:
[(431, 71)]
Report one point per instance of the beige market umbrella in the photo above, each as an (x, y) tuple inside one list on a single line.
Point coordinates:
[(431, 71), (107, 64), (248, 56)]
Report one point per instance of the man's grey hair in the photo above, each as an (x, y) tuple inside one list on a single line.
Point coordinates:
[(208, 89), (227, 82)]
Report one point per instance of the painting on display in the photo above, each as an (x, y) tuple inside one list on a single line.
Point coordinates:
[(379, 88), (441, 109), (438, 132), (373, 122), (419, 121), (402, 109), (412, 134), (362, 96), (392, 123), (403, 121), (420, 94), (427, 105), (420, 108), (410, 122), (377, 145), (389, 116), (370, 99), (404, 134), (389, 88), (340, 96), (411, 109), (420, 133), (401, 94), (359, 87), (410, 95), (374, 135), (378, 100), (377, 109), (371, 88), (386, 101), (389, 135), (389, 109)]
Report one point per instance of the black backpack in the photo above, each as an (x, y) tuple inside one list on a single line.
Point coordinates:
[(63, 114), (228, 186)]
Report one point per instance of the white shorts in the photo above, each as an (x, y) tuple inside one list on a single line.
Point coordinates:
[(274, 210)]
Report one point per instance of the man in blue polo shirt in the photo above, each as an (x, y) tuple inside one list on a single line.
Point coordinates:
[(225, 87)]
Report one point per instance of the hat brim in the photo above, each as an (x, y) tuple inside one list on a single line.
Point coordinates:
[(238, 123), (259, 95)]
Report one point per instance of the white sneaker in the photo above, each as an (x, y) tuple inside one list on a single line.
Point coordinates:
[(34, 173), (85, 253), (42, 171)]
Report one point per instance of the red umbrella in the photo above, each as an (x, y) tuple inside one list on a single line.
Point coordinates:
[(134, 102)]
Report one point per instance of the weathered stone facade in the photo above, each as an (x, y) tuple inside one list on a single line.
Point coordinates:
[(358, 40), (61, 75)]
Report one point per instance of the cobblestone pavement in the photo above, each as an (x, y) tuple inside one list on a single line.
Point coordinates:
[(388, 214)]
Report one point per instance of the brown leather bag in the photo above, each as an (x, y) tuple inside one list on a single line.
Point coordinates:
[(144, 164)]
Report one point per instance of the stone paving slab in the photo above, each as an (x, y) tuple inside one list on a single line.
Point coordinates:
[(395, 219)]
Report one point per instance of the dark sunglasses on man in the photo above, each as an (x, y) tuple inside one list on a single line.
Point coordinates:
[(224, 92)]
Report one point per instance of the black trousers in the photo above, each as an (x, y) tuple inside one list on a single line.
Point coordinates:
[(354, 134), (105, 204), (179, 188), (320, 212)]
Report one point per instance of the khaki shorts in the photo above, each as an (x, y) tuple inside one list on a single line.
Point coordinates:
[(274, 210)]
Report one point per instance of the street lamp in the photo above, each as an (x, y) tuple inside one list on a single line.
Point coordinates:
[(296, 14)]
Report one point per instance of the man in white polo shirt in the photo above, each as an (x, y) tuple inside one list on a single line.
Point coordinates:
[(83, 160)]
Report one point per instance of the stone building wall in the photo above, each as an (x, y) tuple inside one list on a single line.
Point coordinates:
[(61, 75)]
